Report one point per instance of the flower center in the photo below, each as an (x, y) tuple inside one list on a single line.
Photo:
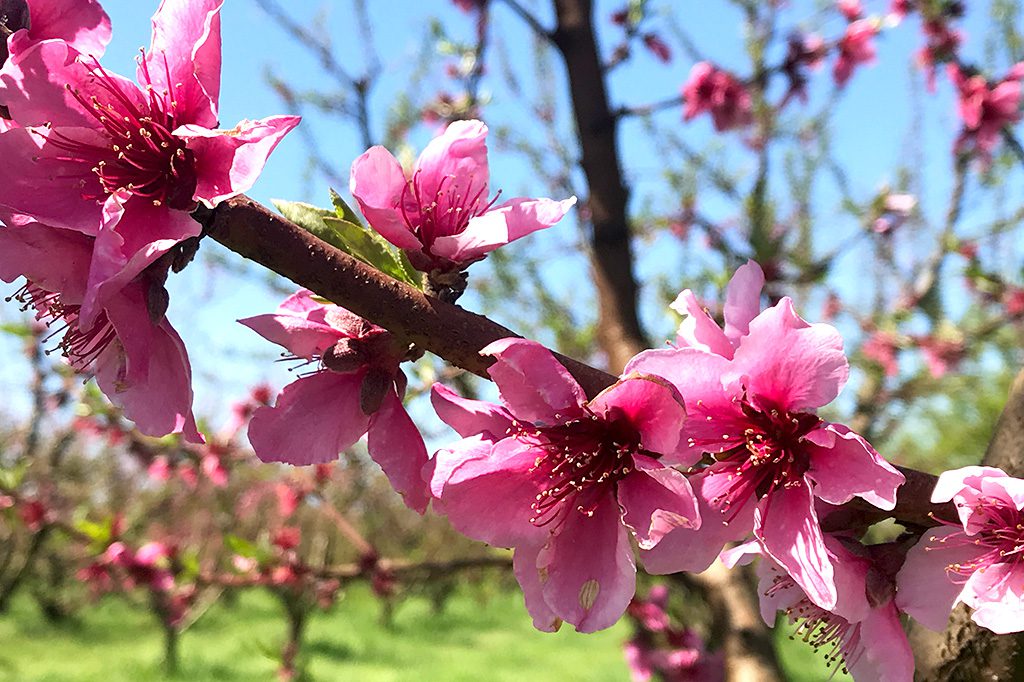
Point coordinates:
[(80, 347), (142, 155), (582, 461), (762, 450), (447, 212), (1001, 538)]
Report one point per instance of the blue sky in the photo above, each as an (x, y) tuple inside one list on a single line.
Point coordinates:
[(871, 128)]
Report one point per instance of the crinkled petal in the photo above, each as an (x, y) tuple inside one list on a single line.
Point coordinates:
[(655, 501), (315, 418), (377, 182), (885, 654), (924, 589), (590, 574), (698, 330), (455, 162), (952, 482), (503, 224), (303, 338), (743, 300), (228, 162), (651, 405), (54, 259), (787, 525), (790, 364), (997, 596), (531, 580), (186, 46), (490, 499), (395, 443), (469, 417), (82, 23), (30, 161), (693, 551), (444, 462), (851, 467), (532, 383)]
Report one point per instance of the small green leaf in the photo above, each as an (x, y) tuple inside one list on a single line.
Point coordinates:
[(343, 210), (241, 546), (355, 240), (16, 329)]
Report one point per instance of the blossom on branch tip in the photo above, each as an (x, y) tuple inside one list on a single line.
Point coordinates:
[(563, 480), (719, 92), (751, 394), (355, 387), (441, 214), (979, 561), (121, 162), (856, 47)]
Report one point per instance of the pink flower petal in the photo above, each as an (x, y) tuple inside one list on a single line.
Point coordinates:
[(952, 482), (455, 161), (52, 258), (787, 526), (395, 443), (82, 23), (228, 162), (469, 417), (924, 589), (505, 223), (378, 182), (651, 405), (790, 364), (698, 330), (743, 300), (997, 596), (186, 45), (533, 384), (315, 418), (851, 467), (531, 580), (886, 655), (655, 501), (591, 576), (446, 460), (303, 338)]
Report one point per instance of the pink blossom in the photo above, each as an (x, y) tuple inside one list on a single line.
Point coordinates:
[(122, 162), (851, 9), (751, 393), (1013, 301), (141, 366), (979, 561), (985, 109), (574, 479), (882, 348), (81, 23), (442, 214), (901, 8), (159, 469), (658, 47), (213, 469), (719, 92), (941, 44), (941, 354), (355, 388), (856, 47), (862, 632)]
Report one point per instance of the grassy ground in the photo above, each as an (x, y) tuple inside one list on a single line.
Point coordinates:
[(473, 640)]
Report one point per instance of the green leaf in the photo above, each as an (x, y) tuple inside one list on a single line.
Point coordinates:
[(16, 329), (343, 210), (354, 239), (10, 479), (241, 546)]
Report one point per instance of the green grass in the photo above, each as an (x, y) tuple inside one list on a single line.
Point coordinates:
[(473, 639)]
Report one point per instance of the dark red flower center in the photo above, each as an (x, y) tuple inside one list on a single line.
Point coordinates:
[(79, 346), (1000, 540), (142, 156), (762, 449), (582, 460)]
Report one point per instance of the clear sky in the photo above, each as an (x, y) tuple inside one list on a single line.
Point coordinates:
[(871, 128)]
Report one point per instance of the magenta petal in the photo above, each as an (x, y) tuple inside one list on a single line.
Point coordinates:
[(924, 589), (532, 383), (743, 300), (395, 443), (651, 405), (997, 596), (455, 161), (698, 330), (446, 460), (37, 85), (315, 418), (886, 655), (469, 417), (531, 580), (655, 501), (787, 526), (790, 364), (303, 338), (851, 467), (82, 23), (489, 499), (52, 258), (158, 395), (505, 223), (591, 576), (30, 162), (378, 182), (228, 162), (186, 45), (693, 551)]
